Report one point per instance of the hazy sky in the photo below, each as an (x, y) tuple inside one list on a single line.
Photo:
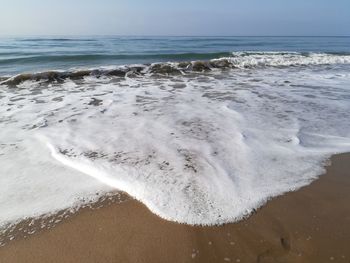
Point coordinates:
[(176, 17)]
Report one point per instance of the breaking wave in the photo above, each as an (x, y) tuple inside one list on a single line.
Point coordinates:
[(205, 62)]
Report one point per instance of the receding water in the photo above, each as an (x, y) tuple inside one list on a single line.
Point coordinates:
[(198, 143)]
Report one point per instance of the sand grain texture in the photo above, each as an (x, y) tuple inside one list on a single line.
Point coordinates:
[(309, 225)]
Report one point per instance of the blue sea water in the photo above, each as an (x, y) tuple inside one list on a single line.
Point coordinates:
[(33, 54)]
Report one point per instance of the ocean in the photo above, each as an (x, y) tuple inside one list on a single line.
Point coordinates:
[(33, 54), (202, 130)]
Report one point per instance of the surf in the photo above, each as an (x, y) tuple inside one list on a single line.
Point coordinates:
[(199, 147)]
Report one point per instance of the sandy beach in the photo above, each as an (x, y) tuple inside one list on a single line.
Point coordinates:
[(309, 225), (174, 131)]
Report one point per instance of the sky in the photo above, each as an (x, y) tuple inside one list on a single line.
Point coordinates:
[(176, 17)]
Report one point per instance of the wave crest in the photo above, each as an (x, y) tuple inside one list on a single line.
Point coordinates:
[(238, 60)]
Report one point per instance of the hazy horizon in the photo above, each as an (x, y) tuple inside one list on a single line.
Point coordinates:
[(164, 36), (180, 18)]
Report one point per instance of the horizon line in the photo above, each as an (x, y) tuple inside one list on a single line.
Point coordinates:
[(132, 35)]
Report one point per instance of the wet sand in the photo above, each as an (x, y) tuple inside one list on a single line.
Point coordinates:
[(309, 225)]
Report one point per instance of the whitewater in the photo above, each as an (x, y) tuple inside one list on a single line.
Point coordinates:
[(202, 142)]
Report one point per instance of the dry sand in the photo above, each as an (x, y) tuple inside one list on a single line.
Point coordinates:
[(310, 225)]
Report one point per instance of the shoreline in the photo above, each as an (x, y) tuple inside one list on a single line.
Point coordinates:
[(309, 225)]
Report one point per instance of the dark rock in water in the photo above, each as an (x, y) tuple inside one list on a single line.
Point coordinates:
[(221, 63), (116, 73), (164, 69), (200, 66)]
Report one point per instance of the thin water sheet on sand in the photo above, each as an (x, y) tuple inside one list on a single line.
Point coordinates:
[(309, 225)]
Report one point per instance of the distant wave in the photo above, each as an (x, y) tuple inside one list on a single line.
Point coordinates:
[(53, 39), (101, 57), (201, 63)]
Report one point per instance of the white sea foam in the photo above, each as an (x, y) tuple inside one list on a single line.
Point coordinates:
[(197, 149), (275, 59)]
